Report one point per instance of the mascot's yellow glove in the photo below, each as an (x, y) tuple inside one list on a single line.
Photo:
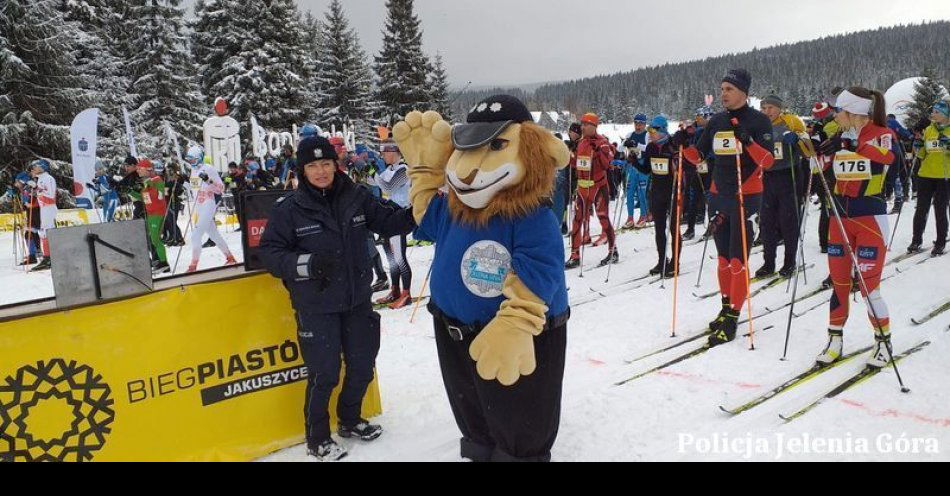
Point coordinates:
[(504, 350), (425, 141)]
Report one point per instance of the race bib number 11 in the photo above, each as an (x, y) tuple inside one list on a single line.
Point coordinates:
[(725, 143), (660, 166), (852, 167)]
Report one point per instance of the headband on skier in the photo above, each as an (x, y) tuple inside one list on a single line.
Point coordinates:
[(854, 104)]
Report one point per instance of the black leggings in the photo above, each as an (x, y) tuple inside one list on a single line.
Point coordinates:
[(399, 270), (931, 192)]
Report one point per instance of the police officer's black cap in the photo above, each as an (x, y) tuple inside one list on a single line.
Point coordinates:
[(315, 148), (487, 120)]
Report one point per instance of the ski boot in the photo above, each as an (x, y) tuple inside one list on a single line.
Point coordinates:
[(881, 354), (380, 285), (914, 247), (630, 224), (193, 267), (363, 430), (834, 348), (209, 244), (230, 260), (161, 268), (657, 269), (327, 451), (572, 263), (897, 207), (402, 300), (30, 260), (389, 298), (787, 271), (600, 240), (641, 223), (44, 265), (827, 283), (939, 249), (689, 234), (611, 258), (564, 231), (766, 271), (725, 329), (670, 271)]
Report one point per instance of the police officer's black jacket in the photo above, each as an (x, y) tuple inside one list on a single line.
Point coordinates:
[(315, 241)]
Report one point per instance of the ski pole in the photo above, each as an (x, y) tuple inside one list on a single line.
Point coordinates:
[(897, 222), (422, 293), (702, 261), (863, 284), (585, 230), (619, 209), (669, 219), (745, 241), (801, 244), (800, 249), (676, 236)]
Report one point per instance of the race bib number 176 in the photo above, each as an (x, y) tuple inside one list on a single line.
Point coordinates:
[(851, 167)]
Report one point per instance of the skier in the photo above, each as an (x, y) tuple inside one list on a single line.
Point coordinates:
[(743, 132), (592, 164), (174, 191), (898, 178), (394, 183), (696, 181), (637, 183), (156, 206), (933, 179), (205, 185), (24, 187), (314, 242), (45, 193), (561, 195), (660, 161), (779, 216), (860, 158), (825, 127)]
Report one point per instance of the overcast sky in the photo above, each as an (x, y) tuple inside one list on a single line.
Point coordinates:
[(504, 42)]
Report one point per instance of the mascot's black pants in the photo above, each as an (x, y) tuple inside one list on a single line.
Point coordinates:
[(323, 338), (504, 423)]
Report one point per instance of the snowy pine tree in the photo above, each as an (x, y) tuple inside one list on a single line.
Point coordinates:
[(401, 67), (164, 88), (344, 80), (927, 92), (264, 71), (439, 89), (40, 89), (211, 39)]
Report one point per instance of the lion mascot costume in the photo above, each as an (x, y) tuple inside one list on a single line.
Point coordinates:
[(481, 192)]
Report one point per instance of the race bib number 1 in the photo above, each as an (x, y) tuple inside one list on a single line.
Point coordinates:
[(852, 167), (725, 143), (583, 163), (703, 167), (660, 166)]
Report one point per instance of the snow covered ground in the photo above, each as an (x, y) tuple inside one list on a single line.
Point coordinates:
[(672, 414)]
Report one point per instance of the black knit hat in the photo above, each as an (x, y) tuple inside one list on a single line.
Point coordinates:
[(575, 128), (315, 148), (739, 78), (487, 120)]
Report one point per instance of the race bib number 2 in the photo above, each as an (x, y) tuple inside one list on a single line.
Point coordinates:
[(851, 167), (725, 143)]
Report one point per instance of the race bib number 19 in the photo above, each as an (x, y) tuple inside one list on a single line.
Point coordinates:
[(660, 166), (725, 143), (583, 163), (852, 167)]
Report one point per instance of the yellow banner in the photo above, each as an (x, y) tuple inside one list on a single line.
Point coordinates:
[(209, 372)]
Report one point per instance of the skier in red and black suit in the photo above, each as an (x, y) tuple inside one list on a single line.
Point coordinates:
[(591, 165), (745, 132)]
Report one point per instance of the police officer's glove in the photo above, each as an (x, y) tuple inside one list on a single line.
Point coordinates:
[(321, 271), (504, 350)]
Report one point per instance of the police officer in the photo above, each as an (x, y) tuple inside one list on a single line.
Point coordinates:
[(316, 242)]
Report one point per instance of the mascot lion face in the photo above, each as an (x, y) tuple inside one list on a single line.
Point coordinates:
[(503, 163)]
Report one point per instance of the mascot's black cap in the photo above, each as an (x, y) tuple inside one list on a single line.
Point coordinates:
[(487, 120)]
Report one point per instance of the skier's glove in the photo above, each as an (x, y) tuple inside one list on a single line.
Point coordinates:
[(742, 134), (680, 138), (204, 177), (504, 350), (790, 138), (831, 145)]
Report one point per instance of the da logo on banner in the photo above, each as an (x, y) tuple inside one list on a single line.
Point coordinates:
[(54, 411)]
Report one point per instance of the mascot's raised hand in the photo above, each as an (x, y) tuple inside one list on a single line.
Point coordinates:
[(425, 141), (498, 290)]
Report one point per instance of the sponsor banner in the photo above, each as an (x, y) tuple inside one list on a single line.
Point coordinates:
[(257, 206), (208, 372), (83, 136)]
